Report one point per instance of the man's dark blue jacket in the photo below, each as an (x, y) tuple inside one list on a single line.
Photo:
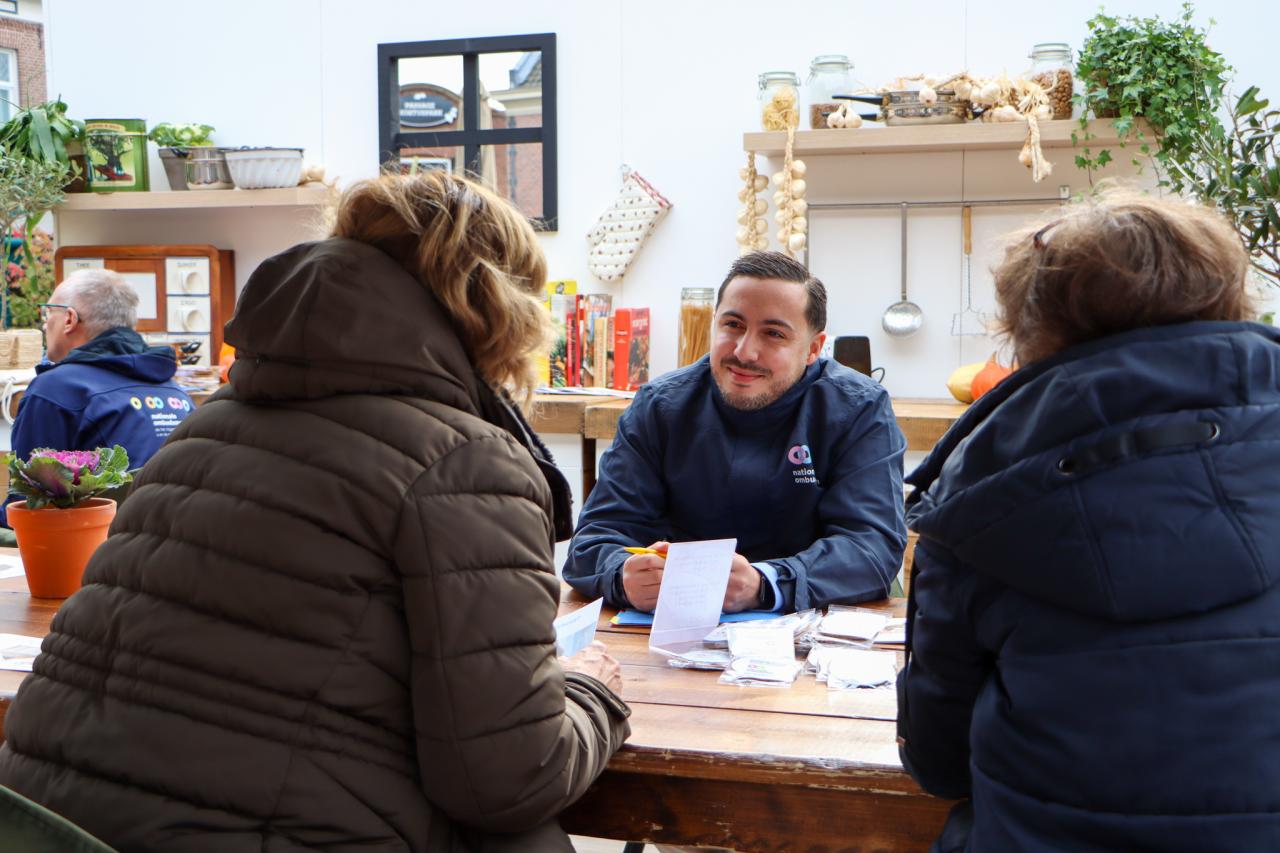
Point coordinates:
[(1095, 623), (811, 484), (115, 389)]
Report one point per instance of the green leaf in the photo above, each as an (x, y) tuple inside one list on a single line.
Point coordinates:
[(44, 139)]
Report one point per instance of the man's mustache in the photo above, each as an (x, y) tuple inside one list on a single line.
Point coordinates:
[(730, 361)]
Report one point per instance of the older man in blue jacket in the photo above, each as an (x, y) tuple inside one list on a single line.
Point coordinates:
[(794, 455), (102, 384)]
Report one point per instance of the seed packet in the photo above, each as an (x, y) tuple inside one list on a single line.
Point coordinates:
[(713, 659), (843, 668), (745, 672), (770, 641)]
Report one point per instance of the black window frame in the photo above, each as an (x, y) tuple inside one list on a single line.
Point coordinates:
[(391, 138)]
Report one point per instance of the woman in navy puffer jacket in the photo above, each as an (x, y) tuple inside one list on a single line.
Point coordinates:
[(1095, 623)]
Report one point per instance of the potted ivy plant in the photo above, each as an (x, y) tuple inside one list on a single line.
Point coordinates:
[(174, 141), (46, 133), (65, 514), (1161, 71)]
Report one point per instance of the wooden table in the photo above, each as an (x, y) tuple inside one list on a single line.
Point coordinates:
[(922, 420), (752, 769), (20, 614)]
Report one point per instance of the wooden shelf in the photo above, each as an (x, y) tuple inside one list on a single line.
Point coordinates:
[(197, 199), (974, 136)]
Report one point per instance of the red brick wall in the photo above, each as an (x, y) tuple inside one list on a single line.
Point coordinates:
[(27, 38)]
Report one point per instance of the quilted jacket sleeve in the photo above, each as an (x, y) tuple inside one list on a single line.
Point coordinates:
[(945, 670), (504, 743)]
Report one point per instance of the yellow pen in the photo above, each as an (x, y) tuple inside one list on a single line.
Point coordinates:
[(635, 550)]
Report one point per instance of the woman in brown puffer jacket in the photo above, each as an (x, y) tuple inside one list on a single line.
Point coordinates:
[(323, 618)]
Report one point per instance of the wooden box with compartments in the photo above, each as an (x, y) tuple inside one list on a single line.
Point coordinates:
[(185, 293)]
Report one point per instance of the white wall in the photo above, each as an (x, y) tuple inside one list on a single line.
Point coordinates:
[(668, 87)]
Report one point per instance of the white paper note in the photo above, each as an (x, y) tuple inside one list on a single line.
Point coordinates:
[(10, 567), (694, 579), (576, 630), (18, 651)]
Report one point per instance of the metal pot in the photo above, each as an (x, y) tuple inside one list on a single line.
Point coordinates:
[(904, 107), (207, 169), (175, 167)]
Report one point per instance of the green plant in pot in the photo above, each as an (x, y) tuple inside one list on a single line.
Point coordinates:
[(65, 513), (174, 141), (46, 133), (1161, 71)]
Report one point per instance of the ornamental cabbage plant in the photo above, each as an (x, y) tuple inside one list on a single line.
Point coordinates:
[(65, 478)]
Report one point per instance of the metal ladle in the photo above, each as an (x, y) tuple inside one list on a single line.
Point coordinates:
[(903, 318)]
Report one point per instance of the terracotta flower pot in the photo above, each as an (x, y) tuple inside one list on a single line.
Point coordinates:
[(56, 544)]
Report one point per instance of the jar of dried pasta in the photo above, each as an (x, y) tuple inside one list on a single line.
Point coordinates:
[(779, 100), (1051, 68), (696, 307)]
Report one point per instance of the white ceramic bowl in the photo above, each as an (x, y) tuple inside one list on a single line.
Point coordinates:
[(265, 168)]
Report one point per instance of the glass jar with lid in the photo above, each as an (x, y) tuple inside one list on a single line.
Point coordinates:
[(829, 74), (779, 100), (1051, 67), (696, 307)]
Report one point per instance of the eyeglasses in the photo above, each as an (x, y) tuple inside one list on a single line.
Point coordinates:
[(47, 307)]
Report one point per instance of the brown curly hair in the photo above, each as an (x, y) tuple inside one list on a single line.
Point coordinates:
[(1117, 262), (473, 250)]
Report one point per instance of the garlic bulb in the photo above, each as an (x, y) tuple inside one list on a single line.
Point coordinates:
[(751, 234), (928, 96), (791, 233)]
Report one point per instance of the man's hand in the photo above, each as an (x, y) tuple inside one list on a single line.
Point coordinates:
[(596, 662), (744, 586), (642, 576)]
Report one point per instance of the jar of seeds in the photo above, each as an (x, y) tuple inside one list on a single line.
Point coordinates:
[(1051, 68), (828, 76)]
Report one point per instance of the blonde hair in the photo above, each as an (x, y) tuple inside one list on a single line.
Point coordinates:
[(1120, 261), (474, 251)]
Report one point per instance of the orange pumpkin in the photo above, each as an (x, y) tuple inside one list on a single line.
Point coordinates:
[(989, 377)]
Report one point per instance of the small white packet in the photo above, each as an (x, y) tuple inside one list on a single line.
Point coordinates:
[(851, 623), (894, 633), (745, 672), (761, 641), (712, 659), (855, 668)]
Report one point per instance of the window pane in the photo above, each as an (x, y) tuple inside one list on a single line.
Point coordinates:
[(431, 93), (6, 111), (7, 68), (515, 173), (449, 159), (512, 85)]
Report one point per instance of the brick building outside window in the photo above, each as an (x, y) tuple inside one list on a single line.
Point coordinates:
[(22, 69)]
